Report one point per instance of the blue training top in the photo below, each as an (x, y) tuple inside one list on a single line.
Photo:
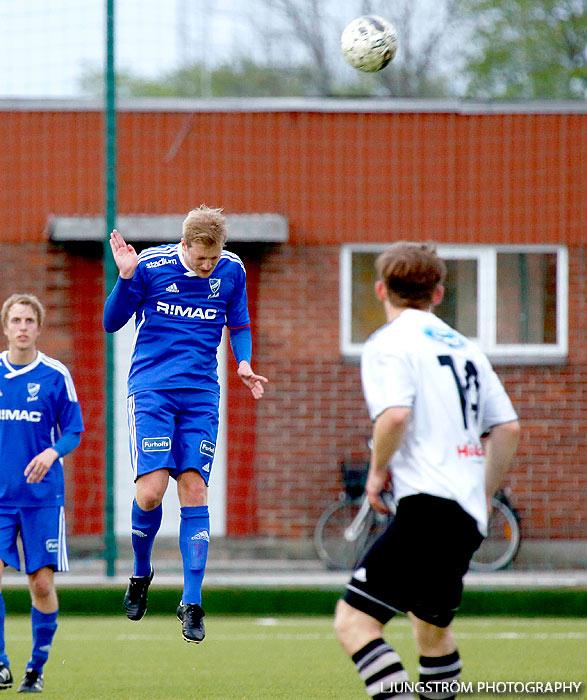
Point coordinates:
[(38, 402), (179, 319)]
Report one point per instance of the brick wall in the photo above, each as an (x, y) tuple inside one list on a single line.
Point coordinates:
[(338, 177), (284, 451), (313, 415)]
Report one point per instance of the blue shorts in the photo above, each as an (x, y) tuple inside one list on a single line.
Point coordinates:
[(173, 430), (43, 536)]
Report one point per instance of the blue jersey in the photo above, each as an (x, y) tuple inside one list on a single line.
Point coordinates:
[(37, 402), (179, 318)]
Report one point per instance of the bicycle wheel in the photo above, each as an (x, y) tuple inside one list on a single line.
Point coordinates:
[(501, 545), (329, 534)]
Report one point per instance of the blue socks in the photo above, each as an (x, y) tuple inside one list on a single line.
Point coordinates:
[(194, 538), (44, 628), (145, 525), (3, 657)]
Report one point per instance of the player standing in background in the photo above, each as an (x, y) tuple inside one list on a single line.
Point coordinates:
[(40, 422), (432, 394), (182, 295)]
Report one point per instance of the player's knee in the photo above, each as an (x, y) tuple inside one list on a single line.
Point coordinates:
[(343, 623), (192, 489), (148, 500), (42, 585), (150, 493), (432, 640), (354, 628)]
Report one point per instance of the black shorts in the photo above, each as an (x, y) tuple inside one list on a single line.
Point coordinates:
[(418, 564)]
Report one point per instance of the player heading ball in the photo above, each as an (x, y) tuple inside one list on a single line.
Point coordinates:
[(181, 296)]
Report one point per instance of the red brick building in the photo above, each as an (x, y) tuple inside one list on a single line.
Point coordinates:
[(502, 188)]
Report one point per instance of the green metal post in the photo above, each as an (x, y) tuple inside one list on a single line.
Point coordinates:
[(110, 274)]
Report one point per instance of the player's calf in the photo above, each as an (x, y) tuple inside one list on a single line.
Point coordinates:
[(381, 669), (439, 676)]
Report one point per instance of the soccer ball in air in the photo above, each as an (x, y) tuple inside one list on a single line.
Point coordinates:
[(369, 43)]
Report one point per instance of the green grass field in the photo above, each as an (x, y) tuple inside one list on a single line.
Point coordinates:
[(293, 658)]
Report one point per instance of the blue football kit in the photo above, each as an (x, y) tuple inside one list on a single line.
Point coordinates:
[(38, 409), (173, 390), (38, 404), (179, 318)]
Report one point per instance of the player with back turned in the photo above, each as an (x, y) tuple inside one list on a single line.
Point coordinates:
[(432, 395), (40, 422), (182, 296)]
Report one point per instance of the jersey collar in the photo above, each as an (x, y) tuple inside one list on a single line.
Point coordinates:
[(12, 372), (190, 272)]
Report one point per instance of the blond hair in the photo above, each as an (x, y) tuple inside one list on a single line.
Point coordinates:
[(27, 300), (410, 272), (205, 226)]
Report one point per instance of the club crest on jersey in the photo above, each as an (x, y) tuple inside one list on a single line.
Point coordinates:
[(207, 448), (157, 444), (33, 389), (214, 288)]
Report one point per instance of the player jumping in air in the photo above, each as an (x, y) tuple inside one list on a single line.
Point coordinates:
[(40, 422), (182, 296), (432, 394)]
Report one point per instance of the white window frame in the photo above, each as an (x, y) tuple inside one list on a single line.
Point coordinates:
[(486, 256)]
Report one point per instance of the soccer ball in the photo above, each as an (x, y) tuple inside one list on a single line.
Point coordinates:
[(369, 43)]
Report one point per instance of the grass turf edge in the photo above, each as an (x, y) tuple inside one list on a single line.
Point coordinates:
[(284, 601)]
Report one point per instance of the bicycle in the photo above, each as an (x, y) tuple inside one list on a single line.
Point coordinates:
[(500, 547), (348, 527)]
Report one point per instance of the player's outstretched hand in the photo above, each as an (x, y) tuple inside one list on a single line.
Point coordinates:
[(253, 381), (125, 256), (38, 466)]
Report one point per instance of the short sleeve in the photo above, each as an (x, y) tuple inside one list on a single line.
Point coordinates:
[(498, 407), (388, 379), (69, 415)]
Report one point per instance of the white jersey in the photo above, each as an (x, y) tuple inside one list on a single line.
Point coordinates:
[(420, 362)]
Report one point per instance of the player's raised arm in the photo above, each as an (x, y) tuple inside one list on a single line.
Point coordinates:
[(121, 302), (125, 256)]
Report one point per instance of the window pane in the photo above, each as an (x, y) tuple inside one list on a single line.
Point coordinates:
[(526, 298), (367, 313), (458, 308), (459, 305)]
